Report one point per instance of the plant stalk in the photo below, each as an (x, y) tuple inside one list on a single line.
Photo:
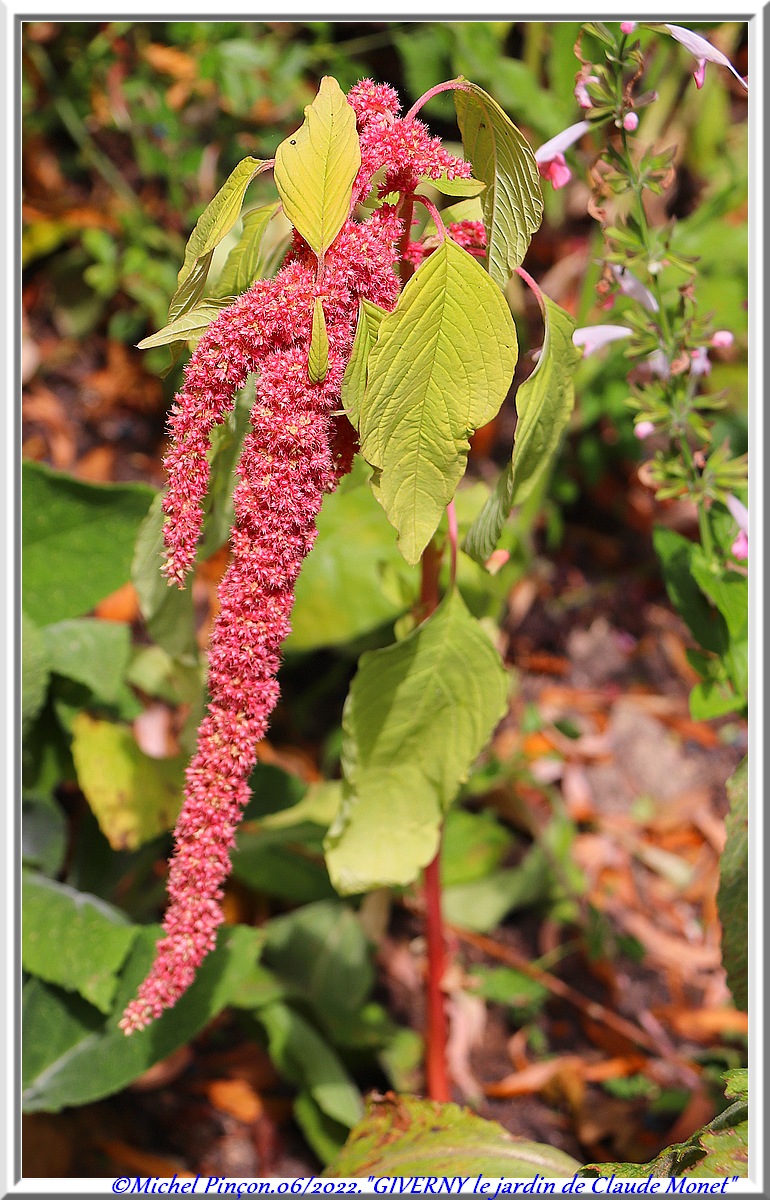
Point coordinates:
[(436, 1031)]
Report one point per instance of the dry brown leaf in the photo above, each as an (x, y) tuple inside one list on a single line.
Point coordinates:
[(122, 605), (704, 1024), (235, 1097), (140, 1162)]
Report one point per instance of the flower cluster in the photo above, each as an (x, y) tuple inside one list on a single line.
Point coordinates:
[(292, 456)]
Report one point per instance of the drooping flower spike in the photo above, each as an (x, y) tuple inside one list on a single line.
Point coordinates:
[(287, 465)]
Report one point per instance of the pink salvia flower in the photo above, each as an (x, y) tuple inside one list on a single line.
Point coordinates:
[(643, 430), (627, 27), (704, 52), (291, 458), (631, 122), (699, 362), (722, 339), (633, 287), (550, 157), (593, 337), (739, 512)]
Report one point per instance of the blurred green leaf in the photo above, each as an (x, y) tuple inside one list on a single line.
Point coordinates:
[(733, 895), (302, 1055), (321, 953), (339, 595), (34, 672), (482, 903), (71, 1057), (43, 832), (94, 653), (134, 797), (167, 610), (472, 846), (78, 539), (73, 939)]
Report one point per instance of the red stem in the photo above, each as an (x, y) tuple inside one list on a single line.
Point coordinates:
[(436, 1073), (436, 1031)]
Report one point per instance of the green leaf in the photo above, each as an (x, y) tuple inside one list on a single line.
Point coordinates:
[(325, 1136), (322, 954), (78, 539), (44, 831), (473, 845), (318, 352), (34, 672), (441, 367), (245, 262), (188, 325), (463, 188), (265, 862), (417, 716), (302, 1055), (315, 168), (544, 405), (403, 1136), (514, 989), (733, 895), (167, 610), (502, 158), (339, 595), (72, 939), (677, 554), (728, 590), (354, 380), (98, 1059), (94, 653), (214, 223), (133, 797), (481, 904)]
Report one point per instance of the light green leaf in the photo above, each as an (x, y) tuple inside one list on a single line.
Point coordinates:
[(318, 353), (214, 223), (73, 939), (728, 590), (245, 262), (417, 715), (34, 672), (403, 1136), (502, 158), (133, 797), (544, 405), (339, 595), (302, 1055), (316, 166), (677, 554), (94, 653), (188, 325), (78, 539), (71, 1057), (733, 895), (441, 367), (452, 187), (354, 380)]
